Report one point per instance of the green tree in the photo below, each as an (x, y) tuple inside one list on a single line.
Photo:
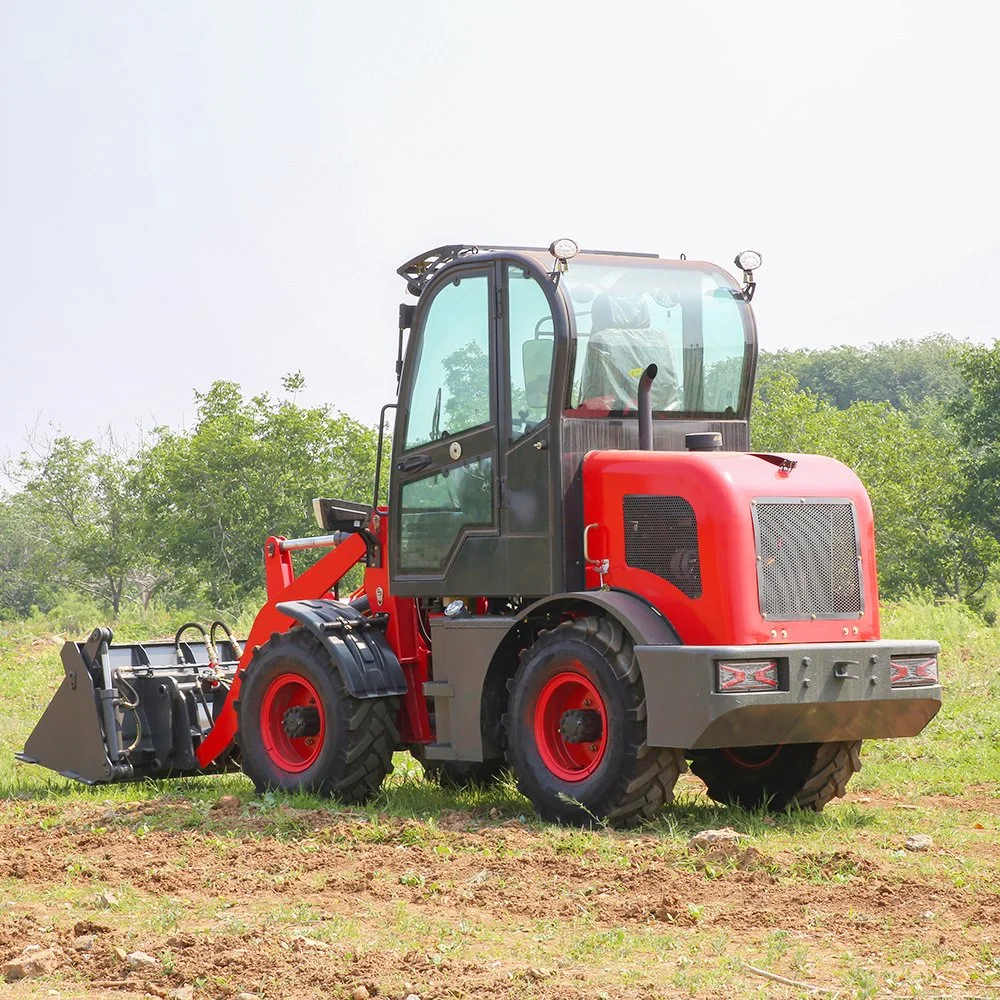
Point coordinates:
[(903, 373), (25, 559), (79, 506), (247, 470), (911, 464), (976, 416)]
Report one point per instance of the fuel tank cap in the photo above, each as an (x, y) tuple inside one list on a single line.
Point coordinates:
[(703, 441)]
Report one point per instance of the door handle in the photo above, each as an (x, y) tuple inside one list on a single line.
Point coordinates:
[(413, 463)]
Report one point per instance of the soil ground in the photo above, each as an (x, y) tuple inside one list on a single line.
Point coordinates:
[(234, 894)]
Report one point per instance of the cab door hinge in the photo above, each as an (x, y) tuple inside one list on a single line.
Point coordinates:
[(503, 491), (498, 303)]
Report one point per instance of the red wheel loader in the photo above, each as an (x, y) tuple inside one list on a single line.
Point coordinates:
[(583, 573)]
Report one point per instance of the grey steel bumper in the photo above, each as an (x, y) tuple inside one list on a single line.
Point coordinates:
[(835, 691)]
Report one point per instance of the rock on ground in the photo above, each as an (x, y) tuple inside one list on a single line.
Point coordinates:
[(726, 838), (919, 842), (33, 961)]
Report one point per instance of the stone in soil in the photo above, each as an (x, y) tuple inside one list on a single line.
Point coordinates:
[(919, 842), (140, 960), (33, 961), (306, 943), (726, 839)]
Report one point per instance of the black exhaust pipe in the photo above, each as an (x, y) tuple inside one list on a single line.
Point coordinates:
[(646, 408)]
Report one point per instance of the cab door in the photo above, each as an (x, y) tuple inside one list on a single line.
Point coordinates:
[(444, 495), (527, 518)]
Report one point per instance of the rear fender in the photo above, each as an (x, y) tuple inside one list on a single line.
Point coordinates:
[(645, 624), (356, 644)]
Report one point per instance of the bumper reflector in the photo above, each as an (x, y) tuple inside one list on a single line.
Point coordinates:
[(912, 671), (747, 675)]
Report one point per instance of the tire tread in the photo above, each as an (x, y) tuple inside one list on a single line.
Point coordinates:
[(646, 783), (365, 756)]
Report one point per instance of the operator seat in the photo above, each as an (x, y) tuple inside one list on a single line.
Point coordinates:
[(621, 345)]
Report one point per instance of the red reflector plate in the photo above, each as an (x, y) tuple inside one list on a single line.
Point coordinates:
[(747, 675), (912, 671)]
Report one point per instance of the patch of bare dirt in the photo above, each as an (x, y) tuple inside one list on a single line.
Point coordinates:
[(328, 904)]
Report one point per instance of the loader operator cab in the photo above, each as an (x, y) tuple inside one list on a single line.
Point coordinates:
[(517, 364)]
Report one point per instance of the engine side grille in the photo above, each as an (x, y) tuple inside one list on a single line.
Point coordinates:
[(661, 537), (807, 559)]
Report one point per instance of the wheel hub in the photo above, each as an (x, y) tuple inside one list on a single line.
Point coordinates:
[(581, 725), (302, 720), (292, 722), (570, 724)]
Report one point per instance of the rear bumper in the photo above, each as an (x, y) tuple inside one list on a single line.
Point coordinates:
[(684, 709)]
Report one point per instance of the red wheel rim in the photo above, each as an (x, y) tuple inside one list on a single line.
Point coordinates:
[(566, 692), (748, 762), (290, 753)]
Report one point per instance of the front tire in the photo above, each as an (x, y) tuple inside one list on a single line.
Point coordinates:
[(798, 775), (576, 729), (301, 731)]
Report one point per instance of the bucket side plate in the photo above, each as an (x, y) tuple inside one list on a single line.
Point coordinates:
[(68, 736)]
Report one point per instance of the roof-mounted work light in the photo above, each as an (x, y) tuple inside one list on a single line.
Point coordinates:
[(748, 261), (563, 250)]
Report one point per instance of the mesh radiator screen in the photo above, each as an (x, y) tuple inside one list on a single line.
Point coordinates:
[(808, 559), (661, 536)]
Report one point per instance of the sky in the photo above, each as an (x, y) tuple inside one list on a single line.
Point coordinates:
[(196, 191)]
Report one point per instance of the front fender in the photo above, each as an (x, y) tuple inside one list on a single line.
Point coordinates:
[(367, 664)]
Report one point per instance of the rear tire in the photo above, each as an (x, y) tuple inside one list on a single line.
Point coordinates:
[(586, 668), (799, 775), (301, 731)]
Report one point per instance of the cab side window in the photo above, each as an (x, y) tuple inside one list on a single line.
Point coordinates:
[(451, 389), (531, 343)]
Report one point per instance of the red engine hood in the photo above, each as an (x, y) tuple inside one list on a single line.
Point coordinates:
[(722, 489)]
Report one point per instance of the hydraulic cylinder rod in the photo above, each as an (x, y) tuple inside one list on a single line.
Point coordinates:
[(316, 542)]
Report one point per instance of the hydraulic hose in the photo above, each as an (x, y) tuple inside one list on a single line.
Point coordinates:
[(213, 656), (233, 641)]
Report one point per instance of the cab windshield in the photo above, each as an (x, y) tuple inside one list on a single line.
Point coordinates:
[(688, 319)]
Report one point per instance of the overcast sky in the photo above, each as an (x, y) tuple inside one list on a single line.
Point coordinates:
[(192, 191)]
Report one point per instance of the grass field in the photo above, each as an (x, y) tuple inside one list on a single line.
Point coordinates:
[(438, 894)]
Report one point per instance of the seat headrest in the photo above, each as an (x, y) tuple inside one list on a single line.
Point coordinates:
[(619, 312)]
